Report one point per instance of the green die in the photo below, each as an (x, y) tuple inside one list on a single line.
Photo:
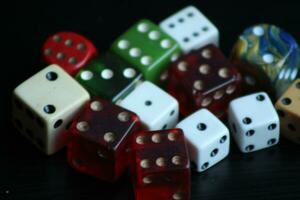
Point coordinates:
[(147, 48), (108, 77)]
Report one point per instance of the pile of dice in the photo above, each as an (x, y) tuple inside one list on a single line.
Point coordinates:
[(121, 109)]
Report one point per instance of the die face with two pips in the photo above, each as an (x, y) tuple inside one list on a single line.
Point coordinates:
[(160, 165), (204, 79), (69, 50), (100, 138), (109, 77), (42, 109), (254, 122), (147, 48), (268, 58), (288, 108)]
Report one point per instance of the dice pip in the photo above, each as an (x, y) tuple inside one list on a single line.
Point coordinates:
[(207, 138), (160, 165), (99, 142), (109, 77), (45, 104), (156, 108), (69, 50), (288, 108), (147, 48), (268, 59), (204, 79), (254, 122), (191, 29)]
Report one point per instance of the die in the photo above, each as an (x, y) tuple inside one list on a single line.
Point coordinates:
[(203, 79), (207, 138), (69, 50), (156, 108), (253, 121), (45, 104), (191, 29), (289, 113), (108, 77), (160, 165), (147, 48), (100, 136), (268, 59)]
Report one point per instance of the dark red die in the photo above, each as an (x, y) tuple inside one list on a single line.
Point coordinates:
[(204, 79), (160, 165), (69, 50), (100, 139)]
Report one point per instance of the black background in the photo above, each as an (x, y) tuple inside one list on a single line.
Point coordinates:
[(27, 174)]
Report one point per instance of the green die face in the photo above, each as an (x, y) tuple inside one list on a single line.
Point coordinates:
[(109, 78), (147, 48)]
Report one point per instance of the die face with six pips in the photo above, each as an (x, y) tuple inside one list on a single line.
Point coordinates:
[(100, 138), (69, 50), (206, 79), (160, 164)]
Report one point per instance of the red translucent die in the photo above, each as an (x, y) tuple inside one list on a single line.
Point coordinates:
[(100, 139), (69, 50), (204, 79), (160, 166)]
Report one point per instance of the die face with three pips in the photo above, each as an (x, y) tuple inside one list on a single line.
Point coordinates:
[(100, 139)]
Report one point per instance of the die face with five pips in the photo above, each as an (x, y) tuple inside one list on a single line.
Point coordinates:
[(100, 139), (147, 48), (69, 50), (160, 164)]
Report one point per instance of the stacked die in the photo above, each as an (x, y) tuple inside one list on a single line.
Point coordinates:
[(112, 114)]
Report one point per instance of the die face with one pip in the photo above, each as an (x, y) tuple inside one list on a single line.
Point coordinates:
[(207, 138), (254, 122), (147, 48), (156, 108), (160, 165), (288, 108), (109, 77), (100, 139), (204, 79), (191, 29), (69, 50), (268, 58), (45, 104)]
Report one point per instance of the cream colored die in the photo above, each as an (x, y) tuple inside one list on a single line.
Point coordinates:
[(288, 108), (45, 104)]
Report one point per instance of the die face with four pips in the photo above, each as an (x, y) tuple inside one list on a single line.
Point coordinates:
[(160, 165), (204, 79), (288, 109), (100, 138), (147, 48), (69, 50)]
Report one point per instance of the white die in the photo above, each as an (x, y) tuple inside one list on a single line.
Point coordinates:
[(45, 104), (156, 108), (254, 122), (207, 138), (191, 29)]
